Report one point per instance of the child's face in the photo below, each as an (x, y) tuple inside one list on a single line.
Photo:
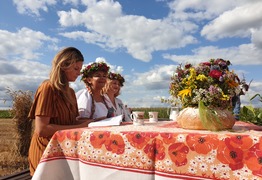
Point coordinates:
[(114, 86)]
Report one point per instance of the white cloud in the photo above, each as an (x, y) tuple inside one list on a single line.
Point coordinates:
[(257, 37), (199, 10), (21, 76), (237, 22), (73, 2), (23, 43), (245, 54), (104, 23), (33, 7), (108, 27)]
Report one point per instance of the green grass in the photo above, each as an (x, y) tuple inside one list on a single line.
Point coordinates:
[(5, 114)]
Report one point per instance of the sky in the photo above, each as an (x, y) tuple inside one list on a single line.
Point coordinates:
[(144, 40)]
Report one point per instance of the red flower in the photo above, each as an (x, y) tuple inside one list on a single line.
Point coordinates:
[(243, 142), (168, 138), (178, 153), (155, 150), (98, 138), (201, 143), (206, 63), (115, 144), (74, 135), (215, 74), (230, 155), (69, 134), (254, 159), (187, 66), (139, 139), (59, 136)]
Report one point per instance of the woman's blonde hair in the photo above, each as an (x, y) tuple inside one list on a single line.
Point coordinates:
[(62, 61), (107, 87)]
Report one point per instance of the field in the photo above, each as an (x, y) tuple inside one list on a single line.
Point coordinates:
[(10, 161)]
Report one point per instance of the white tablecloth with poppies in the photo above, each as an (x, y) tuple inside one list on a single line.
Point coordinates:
[(154, 151)]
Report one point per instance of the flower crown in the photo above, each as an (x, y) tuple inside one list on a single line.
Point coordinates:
[(92, 68), (116, 76)]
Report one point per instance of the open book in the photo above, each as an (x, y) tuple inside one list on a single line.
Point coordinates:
[(113, 121)]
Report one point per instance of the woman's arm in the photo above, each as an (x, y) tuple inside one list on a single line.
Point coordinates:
[(44, 129)]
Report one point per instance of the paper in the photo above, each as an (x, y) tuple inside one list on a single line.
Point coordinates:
[(113, 121)]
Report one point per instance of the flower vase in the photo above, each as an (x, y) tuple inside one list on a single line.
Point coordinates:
[(189, 118)]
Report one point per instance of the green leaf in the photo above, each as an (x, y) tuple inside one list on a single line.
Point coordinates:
[(248, 108), (259, 115), (208, 116), (256, 96)]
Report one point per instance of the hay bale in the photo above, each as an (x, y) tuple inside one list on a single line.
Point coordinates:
[(22, 102)]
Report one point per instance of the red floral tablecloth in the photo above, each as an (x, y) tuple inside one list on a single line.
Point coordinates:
[(164, 149)]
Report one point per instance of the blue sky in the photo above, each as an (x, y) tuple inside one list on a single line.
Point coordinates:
[(143, 40)]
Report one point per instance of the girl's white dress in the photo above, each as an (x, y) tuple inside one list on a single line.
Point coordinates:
[(84, 102), (119, 108)]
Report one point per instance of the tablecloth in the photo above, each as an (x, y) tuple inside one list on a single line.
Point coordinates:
[(154, 151)]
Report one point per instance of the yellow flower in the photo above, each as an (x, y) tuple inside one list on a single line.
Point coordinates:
[(185, 92), (225, 97), (192, 74), (201, 77)]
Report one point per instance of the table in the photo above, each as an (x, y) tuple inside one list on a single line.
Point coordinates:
[(160, 151)]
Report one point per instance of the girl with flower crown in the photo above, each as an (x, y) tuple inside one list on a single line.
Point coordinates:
[(91, 102), (111, 90)]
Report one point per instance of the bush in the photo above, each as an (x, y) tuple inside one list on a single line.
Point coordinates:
[(251, 114)]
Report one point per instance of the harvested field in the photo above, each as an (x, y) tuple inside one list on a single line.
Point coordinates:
[(10, 160)]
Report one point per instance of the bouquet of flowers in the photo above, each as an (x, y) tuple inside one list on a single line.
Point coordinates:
[(210, 83)]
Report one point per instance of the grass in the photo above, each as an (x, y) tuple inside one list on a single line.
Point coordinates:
[(5, 114)]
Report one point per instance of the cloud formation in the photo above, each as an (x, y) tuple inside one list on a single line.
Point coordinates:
[(191, 31)]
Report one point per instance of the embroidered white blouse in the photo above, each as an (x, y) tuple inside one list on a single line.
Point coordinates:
[(84, 102), (119, 108)]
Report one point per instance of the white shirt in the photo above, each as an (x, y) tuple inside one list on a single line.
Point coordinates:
[(84, 102), (119, 108)]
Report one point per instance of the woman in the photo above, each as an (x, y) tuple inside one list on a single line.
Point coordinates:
[(111, 90), (55, 107), (91, 103)]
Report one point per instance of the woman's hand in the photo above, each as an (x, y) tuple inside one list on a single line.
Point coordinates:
[(84, 121), (98, 119)]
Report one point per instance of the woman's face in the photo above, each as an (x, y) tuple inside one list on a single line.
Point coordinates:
[(98, 80), (114, 86), (73, 71)]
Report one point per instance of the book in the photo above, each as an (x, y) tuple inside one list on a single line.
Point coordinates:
[(113, 121)]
